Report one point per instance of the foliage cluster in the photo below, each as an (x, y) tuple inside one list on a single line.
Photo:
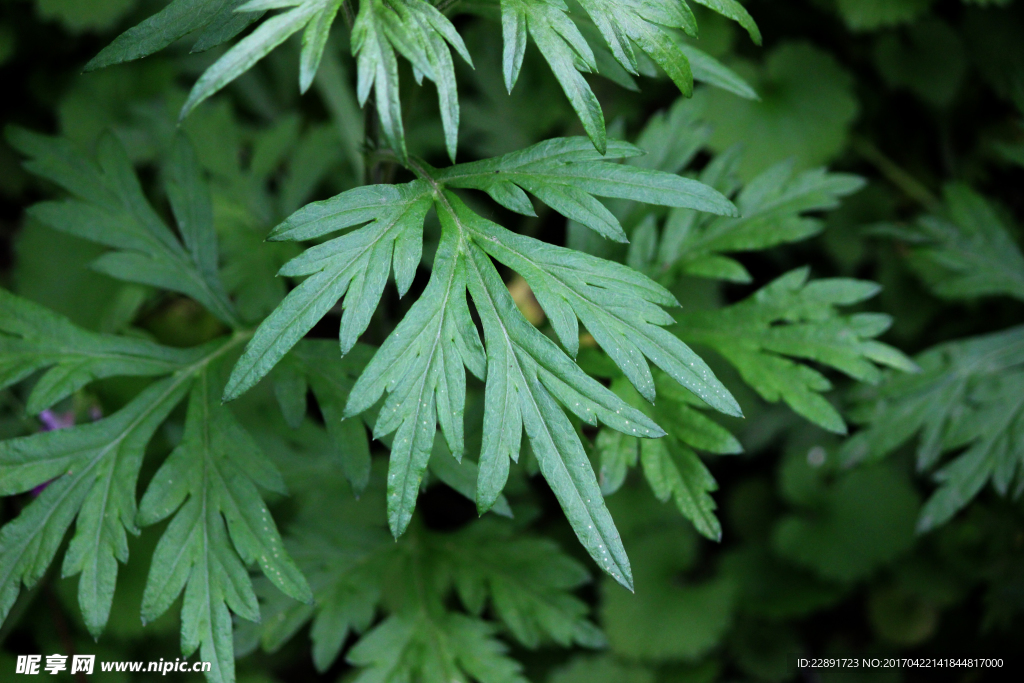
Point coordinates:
[(684, 270)]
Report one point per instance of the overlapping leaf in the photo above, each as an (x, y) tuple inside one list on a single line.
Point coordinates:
[(356, 571), (422, 34), (214, 22), (220, 526), (792, 318), (967, 396), (421, 364), (967, 251), (314, 365), (110, 208), (33, 338), (87, 474), (95, 468), (670, 465), (418, 31), (647, 26), (773, 210)]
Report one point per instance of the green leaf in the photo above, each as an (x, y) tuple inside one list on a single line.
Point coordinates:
[(618, 453), (672, 469), (315, 364), (529, 582), (220, 526), (868, 15), (33, 338), (709, 70), (566, 52), (964, 398), (793, 319), (346, 565), (564, 175), (968, 251), (110, 208), (256, 45), (418, 31), (95, 467), (314, 40), (176, 20), (462, 476), (428, 351), (772, 211), (735, 11), (451, 648), (519, 400), (626, 26), (570, 284), (355, 265), (421, 365), (675, 472)]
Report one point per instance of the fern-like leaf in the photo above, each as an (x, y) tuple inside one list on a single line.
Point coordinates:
[(33, 338), (791, 318), (421, 364), (220, 526), (966, 397), (109, 208), (96, 467)]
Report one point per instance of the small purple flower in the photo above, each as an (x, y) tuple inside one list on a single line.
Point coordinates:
[(53, 421)]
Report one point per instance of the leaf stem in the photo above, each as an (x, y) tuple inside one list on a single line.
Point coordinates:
[(897, 175)]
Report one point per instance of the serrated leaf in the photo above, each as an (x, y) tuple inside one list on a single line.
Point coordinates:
[(176, 20), (529, 583), (253, 48), (968, 252), (418, 31), (965, 397), (110, 208), (452, 648), (33, 338), (597, 291), (94, 467), (791, 318), (555, 443), (421, 365), (331, 380), (773, 208), (220, 526), (425, 352), (676, 473), (627, 26), (355, 266)]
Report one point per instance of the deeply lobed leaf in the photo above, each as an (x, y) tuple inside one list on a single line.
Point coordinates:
[(421, 365)]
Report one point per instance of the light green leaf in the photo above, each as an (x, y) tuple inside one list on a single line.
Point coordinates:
[(33, 338), (96, 467), (220, 526), (355, 266), (792, 318)]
